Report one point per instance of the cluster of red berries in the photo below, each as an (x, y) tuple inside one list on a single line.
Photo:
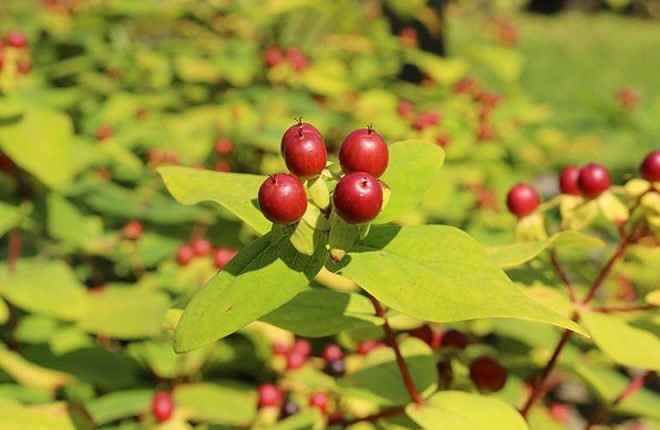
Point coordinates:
[(202, 247), (487, 100), (273, 56), (223, 147), (16, 40), (358, 196)]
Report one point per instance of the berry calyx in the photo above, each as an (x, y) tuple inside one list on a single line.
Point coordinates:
[(593, 180), (568, 180), (282, 199), (320, 401), (522, 200), (335, 368), (222, 256), (454, 339), (162, 406), (305, 155), (16, 39), (201, 246), (296, 130), (184, 255), (133, 230), (332, 351), (224, 146), (364, 150), (269, 395), (488, 374), (289, 408), (358, 198), (650, 168)]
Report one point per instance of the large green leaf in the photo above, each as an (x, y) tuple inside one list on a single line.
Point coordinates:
[(516, 254), (411, 171), (120, 404), (629, 339), (67, 223), (236, 192), (41, 144), (19, 417), (29, 374), (439, 273), (223, 403), (303, 420), (381, 377), (263, 276), (320, 312), (457, 410)]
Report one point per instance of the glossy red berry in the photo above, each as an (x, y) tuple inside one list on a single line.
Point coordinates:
[(295, 360), (593, 180), (282, 199), (488, 374), (305, 155), (222, 256), (296, 130), (320, 401), (650, 168), (358, 198), (185, 254), (104, 132), (201, 246), (428, 334), (17, 39), (222, 166), (454, 339), (568, 180), (522, 200), (162, 406), (302, 346), (269, 395), (133, 230), (332, 351), (224, 146), (364, 150)]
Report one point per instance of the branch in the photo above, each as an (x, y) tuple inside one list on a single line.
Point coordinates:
[(563, 276), (375, 417)]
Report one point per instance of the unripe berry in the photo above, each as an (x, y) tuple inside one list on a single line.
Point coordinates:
[(133, 230), (162, 406), (282, 199), (488, 374), (17, 39), (358, 198), (335, 368), (650, 168), (184, 255), (222, 256), (454, 339), (224, 146), (364, 150), (593, 180), (269, 395), (320, 401), (522, 200), (305, 155), (568, 180), (296, 130), (201, 246), (289, 408), (332, 351)]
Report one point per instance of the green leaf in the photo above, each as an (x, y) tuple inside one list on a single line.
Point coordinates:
[(320, 312), (19, 417), (4, 312), (30, 374), (223, 403), (380, 374), (9, 217), (263, 276), (67, 223), (41, 144), (236, 192), (439, 273), (516, 254), (118, 405), (458, 410), (619, 336), (125, 313), (44, 287), (303, 420), (412, 169)]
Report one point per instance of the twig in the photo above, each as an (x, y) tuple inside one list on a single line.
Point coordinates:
[(563, 276), (375, 417), (612, 309)]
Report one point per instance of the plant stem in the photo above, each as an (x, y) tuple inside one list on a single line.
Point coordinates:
[(375, 417), (634, 385), (600, 280), (563, 276), (636, 308), (15, 245), (391, 341)]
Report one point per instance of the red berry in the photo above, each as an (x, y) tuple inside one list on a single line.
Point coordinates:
[(133, 229), (280, 348), (282, 199), (488, 374), (358, 198), (593, 180), (296, 130), (222, 256), (335, 418), (297, 59), (443, 140), (295, 360), (272, 56), (467, 85), (162, 406), (332, 351), (522, 200), (222, 166), (559, 412), (305, 155), (650, 167), (201, 246), (485, 132), (568, 180), (405, 108), (320, 401), (429, 119), (17, 39), (364, 150), (302, 346), (184, 255), (104, 132), (224, 146), (367, 346), (427, 334), (408, 36), (454, 339), (24, 66), (269, 395)]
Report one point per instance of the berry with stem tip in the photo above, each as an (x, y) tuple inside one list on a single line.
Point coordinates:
[(282, 199), (17, 39), (568, 180), (289, 408), (224, 146), (488, 374), (593, 180), (201, 246), (335, 368), (320, 401), (184, 255), (358, 198), (364, 150), (296, 130), (650, 168), (332, 351), (162, 406), (305, 155), (522, 200), (454, 339), (222, 256), (269, 395)]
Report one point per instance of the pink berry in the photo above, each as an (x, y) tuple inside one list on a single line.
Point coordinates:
[(269, 395), (184, 255), (295, 360), (367, 346), (224, 146), (162, 406), (332, 351), (273, 56), (17, 39), (302, 346), (320, 401), (201, 246), (405, 109)]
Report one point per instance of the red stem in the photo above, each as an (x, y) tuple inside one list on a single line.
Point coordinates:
[(607, 310), (600, 280), (563, 276), (375, 417), (403, 366), (15, 245)]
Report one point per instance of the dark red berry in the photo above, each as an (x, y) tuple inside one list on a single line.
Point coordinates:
[(488, 374), (133, 230), (6, 163), (302, 346), (305, 155), (593, 180), (222, 256), (335, 418), (224, 146), (162, 406), (222, 166), (269, 395), (320, 401), (336, 368), (104, 132), (454, 339), (295, 360), (446, 373), (650, 168), (522, 200), (296, 130), (364, 150), (184, 255), (568, 180), (367, 346), (289, 408), (332, 351), (282, 199), (17, 39), (201, 246), (358, 198), (428, 334)]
